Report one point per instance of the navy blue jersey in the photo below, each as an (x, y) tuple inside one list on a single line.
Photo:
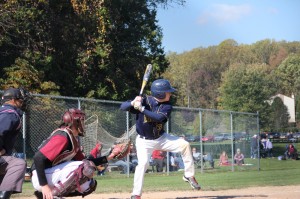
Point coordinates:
[(10, 125), (150, 123)]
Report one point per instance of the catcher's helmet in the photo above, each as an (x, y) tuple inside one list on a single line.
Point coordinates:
[(74, 117), (159, 88), (17, 93)]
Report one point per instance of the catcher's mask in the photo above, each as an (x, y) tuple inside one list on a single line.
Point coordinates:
[(75, 117), (19, 94)]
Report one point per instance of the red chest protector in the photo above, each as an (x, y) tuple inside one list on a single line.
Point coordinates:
[(66, 155)]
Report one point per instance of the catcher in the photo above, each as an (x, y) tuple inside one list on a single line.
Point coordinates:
[(59, 168)]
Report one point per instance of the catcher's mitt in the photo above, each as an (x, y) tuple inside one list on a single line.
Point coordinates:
[(121, 149)]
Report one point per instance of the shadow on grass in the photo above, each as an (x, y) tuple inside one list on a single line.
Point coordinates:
[(223, 197), (217, 197)]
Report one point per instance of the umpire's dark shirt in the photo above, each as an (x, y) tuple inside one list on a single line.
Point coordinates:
[(10, 117)]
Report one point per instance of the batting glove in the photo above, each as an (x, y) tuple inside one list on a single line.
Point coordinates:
[(137, 101), (140, 108)]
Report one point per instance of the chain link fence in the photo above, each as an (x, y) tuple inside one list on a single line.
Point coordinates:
[(209, 131)]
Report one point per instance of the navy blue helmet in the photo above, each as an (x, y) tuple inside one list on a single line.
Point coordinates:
[(17, 93), (160, 87)]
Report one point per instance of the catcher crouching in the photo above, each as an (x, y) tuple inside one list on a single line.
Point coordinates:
[(59, 168)]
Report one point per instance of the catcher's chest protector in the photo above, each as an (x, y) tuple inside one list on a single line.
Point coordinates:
[(65, 155)]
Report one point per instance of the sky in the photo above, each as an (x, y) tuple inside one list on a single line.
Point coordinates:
[(203, 23)]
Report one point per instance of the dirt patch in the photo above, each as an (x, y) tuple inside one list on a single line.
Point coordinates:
[(276, 192)]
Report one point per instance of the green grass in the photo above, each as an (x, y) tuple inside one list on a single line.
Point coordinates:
[(272, 173)]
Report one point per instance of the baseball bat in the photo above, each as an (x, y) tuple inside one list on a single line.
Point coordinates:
[(146, 77)]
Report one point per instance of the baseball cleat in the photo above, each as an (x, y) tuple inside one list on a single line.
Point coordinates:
[(135, 197), (193, 182)]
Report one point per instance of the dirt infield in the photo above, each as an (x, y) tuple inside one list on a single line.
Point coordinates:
[(278, 192)]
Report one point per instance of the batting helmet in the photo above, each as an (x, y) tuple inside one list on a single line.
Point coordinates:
[(74, 117), (159, 88), (17, 93)]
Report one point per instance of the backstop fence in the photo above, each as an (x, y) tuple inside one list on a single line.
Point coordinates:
[(209, 131)]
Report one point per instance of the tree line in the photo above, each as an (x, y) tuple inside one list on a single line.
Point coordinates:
[(91, 48), (238, 77), (99, 49)]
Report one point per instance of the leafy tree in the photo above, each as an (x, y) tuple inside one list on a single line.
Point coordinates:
[(276, 59), (279, 116), (288, 73), (226, 50), (246, 55), (202, 89), (90, 48), (246, 88), (128, 40), (22, 73), (178, 75), (24, 46), (265, 49), (194, 72), (297, 102)]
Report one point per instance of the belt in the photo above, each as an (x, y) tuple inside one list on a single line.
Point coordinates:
[(148, 138)]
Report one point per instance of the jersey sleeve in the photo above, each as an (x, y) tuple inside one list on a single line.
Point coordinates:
[(39, 162), (54, 147)]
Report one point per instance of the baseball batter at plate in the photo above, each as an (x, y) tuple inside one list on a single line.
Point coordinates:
[(59, 167), (152, 112)]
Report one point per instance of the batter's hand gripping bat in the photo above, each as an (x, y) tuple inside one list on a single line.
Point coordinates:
[(146, 78)]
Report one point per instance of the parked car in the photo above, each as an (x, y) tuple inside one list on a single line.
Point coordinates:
[(227, 136), (292, 139), (222, 136), (208, 138), (190, 138), (296, 135), (239, 135), (283, 136), (274, 135), (197, 138)]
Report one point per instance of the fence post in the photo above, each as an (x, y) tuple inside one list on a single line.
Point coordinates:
[(24, 135), (168, 155), (232, 149), (127, 129), (258, 140), (79, 104), (201, 142)]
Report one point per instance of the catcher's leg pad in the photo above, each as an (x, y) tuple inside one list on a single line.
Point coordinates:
[(91, 189), (76, 178)]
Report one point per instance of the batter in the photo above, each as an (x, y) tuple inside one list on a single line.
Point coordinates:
[(152, 112)]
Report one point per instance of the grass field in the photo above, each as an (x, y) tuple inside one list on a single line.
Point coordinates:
[(272, 173)]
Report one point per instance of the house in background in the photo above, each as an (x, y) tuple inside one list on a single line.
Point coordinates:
[(289, 102)]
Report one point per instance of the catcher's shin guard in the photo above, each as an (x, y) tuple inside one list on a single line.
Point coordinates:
[(76, 178), (91, 189)]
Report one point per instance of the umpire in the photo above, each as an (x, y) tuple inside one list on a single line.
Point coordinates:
[(12, 170)]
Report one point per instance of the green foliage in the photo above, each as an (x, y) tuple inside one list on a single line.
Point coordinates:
[(246, 89), (99, 49), (288, 73), (279, 116), (85, 48), (22, 73), (264, 50)]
